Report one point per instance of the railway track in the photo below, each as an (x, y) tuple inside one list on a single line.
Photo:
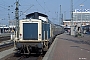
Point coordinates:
[(25, 57), (4, 38), (5, 42), (6, 46), (31, 57)]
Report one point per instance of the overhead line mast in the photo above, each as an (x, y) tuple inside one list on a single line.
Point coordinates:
[(60, 15), (72, 24), (17, 18)]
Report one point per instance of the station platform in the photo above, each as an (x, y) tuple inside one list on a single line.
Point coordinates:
[(67, 47)]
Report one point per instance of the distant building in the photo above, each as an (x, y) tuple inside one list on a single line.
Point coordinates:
[(79, 16), (6, 29)]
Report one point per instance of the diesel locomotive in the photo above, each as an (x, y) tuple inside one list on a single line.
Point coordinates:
[(35, 32)]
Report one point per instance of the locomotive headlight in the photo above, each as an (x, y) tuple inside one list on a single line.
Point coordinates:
[(20, 36), (39, 36)]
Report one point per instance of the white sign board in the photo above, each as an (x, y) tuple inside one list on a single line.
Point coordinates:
[(43, 18), (82, 10)]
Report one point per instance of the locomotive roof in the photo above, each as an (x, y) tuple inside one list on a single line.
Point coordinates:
[(40, 14)]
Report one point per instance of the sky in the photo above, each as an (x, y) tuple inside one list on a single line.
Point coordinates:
[(48, 7)]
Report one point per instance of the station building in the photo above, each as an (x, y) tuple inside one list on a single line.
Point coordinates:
[(80, 17)]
